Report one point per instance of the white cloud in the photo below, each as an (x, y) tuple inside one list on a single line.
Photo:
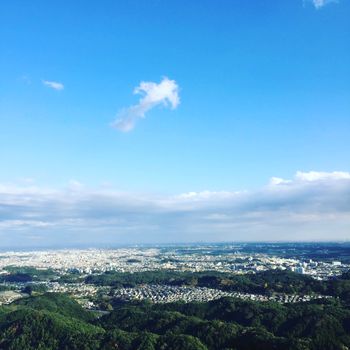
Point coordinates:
[(206, 195), (165, 93), (274, 181), (321, 3), (321, 176), (311, 206), (75, 185), (312, 176), (23, 224), (53, 85)]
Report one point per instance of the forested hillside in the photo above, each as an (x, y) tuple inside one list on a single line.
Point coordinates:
[(54, 321)]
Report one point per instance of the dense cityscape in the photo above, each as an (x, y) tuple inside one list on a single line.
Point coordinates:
[(203, 258), (194, 259)]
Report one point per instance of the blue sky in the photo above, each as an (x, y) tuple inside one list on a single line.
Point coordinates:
[(262, 89)]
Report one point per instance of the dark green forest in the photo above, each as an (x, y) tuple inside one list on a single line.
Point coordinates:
[(55, 321)]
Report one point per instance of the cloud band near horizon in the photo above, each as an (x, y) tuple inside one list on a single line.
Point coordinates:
[(311, 206)]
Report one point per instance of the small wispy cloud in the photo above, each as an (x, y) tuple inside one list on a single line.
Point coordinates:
[(321, 3), (26, 79), (53, 85), (165, 93)]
